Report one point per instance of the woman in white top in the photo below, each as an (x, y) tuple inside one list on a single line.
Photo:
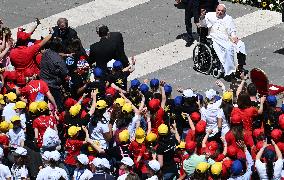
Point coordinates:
[(224, 112), (269, 170)]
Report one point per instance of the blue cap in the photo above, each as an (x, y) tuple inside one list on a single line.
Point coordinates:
[(117, 65), (236, 168), (272, 101), (154, 82), (135, 83), (200, 97), (144, 88), (98, 72), (217, 98), (168, 89), (178, 101)]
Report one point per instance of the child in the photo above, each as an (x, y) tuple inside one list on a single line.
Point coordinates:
[(81, 172), (8, 110), (19, 169), (17, 134), (20, 109), (4, 170)]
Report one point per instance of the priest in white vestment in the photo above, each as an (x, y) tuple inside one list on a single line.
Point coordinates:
[(222, 31)]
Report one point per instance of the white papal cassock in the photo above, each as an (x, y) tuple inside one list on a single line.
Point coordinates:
[(221, 30)]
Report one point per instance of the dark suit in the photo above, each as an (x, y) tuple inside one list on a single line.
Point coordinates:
[(108, 48), (191, 10), (66, 37)]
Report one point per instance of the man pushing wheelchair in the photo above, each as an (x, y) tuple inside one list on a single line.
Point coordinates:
[(229, 49)]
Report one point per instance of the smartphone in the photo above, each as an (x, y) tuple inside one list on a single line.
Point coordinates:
[(268, 140)]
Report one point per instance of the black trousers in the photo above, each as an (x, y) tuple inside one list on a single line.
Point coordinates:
[(188, 25), (58, 97)]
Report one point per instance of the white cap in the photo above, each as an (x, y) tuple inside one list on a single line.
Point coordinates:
[(1, 152), (55, 155), (154, 165), (210, 94), (105, 163), (110, 63), (82, 158), (45, 155), (188, 93), (98, 162), (21, 151), (127, 161)]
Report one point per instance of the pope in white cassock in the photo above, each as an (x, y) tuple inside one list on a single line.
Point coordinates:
[(222, 31)]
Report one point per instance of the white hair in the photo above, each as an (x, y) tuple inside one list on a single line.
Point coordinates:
[(223, 6)]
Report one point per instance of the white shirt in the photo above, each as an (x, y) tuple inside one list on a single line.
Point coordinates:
[(225, 125), (96, 133), (15, 137), (23, 120), (85, 174), (123, 176), (261, 169), (133, 125), (153, 178), (49, 173), (210, 114), (19, 172), (9, 112), (4, 172)]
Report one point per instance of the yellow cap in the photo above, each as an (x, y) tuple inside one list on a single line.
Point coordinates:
[(181, 145), (227, 96), (123, 136), (74, 110), (101, 104), (11, 96), (33, 107), (216, 168), (127, 108), (4, 126), (2, 99), (73, 130), (20, 105), (15, 118), (140, 135), (163, 129), (42, 106), (120, 101), (202, 167), (151, 137)]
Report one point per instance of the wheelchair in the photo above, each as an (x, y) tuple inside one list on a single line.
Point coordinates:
[(206, 60)]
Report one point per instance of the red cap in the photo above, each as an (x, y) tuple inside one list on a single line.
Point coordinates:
[(200, 127), (259, 145), (258, 132), (232, 151), (276, 134), (21, 35), (227, 163), (190, 146), (10, 75), (154, 104), (110, 91), (281, 121), (195, 116), (212, 145), (69, 102), (236, 119), (241, 155), (86, 101)]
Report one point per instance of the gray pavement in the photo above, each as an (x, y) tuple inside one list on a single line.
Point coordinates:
[(153, 24)]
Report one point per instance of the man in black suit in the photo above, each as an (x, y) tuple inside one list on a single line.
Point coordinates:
[(110, 46), (63, 31)]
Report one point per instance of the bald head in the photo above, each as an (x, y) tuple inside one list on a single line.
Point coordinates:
[(221, 10)]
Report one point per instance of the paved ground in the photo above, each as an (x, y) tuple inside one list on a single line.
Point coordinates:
[(151, 25)]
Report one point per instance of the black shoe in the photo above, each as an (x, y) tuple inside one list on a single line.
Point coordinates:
[(189, 43)]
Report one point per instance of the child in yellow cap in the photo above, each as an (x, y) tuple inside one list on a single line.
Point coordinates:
[(17, 134), (20, 108), (4, 139), (8, 110)]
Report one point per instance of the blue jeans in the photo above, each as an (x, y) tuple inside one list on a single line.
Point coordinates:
[(169, 176)]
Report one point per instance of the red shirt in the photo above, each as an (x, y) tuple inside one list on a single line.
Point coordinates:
[(247, 116), (42, 123), (231, 140), (138, 150), (159, 119), (73, 148), (33, 88), (23, 57)]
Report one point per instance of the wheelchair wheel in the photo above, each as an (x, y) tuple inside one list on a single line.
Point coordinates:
[(202, 58), (217, 69)]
